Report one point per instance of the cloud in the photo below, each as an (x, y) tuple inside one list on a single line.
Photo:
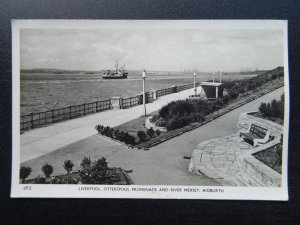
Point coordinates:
[(203, 50)]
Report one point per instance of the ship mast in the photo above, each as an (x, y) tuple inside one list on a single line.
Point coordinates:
[(117, 66)]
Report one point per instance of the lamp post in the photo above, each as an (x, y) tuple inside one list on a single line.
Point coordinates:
[(144, 94), (195, 88)]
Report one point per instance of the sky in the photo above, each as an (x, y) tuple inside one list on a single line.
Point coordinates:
[(153, 50)]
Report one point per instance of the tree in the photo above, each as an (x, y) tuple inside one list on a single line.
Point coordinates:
[(150, 132), (86, 163), (47, 169), (25, 171), (263, 108), (68, 166), (141, 135)]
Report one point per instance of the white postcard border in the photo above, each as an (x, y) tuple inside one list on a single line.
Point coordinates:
[(162, 191)]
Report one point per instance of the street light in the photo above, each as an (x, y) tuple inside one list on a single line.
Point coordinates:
[(195, 88), (144, 94)]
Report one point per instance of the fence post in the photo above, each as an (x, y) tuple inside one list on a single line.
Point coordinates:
[(155, 95), (140, 96), (52, 116), (174, 88), (84, 109), (116, 102), (69, 112), (31, 118)]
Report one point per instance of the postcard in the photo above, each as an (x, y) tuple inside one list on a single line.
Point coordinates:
[(163, 109)]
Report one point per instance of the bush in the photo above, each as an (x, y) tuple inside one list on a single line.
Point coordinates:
[(115, 134), (47, 170), (68, 180), (164, 111), (177, 123), (157, 132), (86, 163), (141, 135), (39, 180), (96, 174), (233, 93), (129, 139), (150, 132), (275, 109), (25, 171), (68, 166)]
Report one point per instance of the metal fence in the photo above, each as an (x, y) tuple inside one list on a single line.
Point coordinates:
[(184, 87), (166, 91), (131, 101), (149, 97), (34, 120)]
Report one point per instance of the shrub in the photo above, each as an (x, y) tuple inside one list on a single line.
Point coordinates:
[(177, 123), (275, 109), (157, 132), (47, 169), (141, 135), (68, 180), (150, 132), (164, 111), (233, 93), (96, 174), (39, 180), (68, 165), (129, 139), (86, 163), (25, 171), (99, 128)]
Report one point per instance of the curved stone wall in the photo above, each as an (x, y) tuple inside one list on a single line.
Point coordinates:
[(229, 160), (246, 119)]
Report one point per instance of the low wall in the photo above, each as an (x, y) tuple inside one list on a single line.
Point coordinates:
[(246, 119), (244, 169), (261, 172)]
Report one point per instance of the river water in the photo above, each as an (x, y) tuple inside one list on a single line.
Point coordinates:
[(42, 92)]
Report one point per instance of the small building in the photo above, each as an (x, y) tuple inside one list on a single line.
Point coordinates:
[(212, 90)]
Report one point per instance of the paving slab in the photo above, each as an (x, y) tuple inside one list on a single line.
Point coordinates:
[(39, 141)]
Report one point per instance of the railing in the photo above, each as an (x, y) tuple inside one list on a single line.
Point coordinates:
[(185, 87), (39, 119), (131, 101), (166, 91), (149, 97)]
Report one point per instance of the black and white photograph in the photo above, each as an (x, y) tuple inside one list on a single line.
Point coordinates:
[(193, 109)]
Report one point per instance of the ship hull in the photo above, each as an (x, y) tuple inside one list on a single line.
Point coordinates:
[(114, 77)]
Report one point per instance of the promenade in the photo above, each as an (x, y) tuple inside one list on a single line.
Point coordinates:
[(43, 140), (163, 164)]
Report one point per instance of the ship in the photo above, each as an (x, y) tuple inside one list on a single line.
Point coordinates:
[(119, 73)]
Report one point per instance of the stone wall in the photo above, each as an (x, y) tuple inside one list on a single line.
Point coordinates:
[(246, 119), (261, 172), (229, 160)]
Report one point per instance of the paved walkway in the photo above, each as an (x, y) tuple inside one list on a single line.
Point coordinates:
[(229, 161), (163, 164), (43, 140)]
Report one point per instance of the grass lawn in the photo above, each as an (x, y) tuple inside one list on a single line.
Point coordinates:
[(272, 157)]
